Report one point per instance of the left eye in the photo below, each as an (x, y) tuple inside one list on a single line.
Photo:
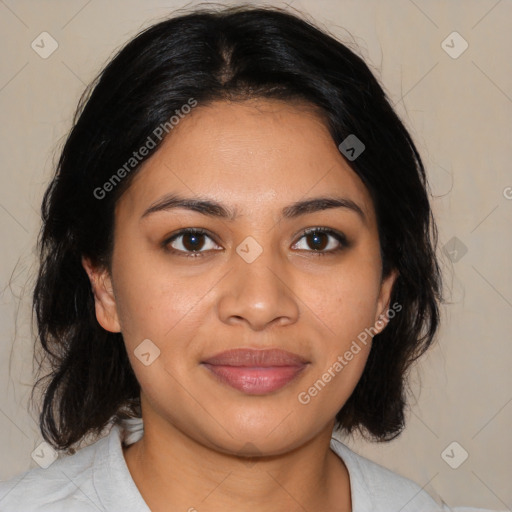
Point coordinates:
[(318, 240)]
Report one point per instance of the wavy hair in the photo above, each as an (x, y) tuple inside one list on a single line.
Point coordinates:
[(219, 54)]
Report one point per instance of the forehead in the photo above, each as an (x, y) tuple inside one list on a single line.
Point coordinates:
[(249, 155)]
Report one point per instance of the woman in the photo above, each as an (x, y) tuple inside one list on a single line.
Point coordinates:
[(237, 262)]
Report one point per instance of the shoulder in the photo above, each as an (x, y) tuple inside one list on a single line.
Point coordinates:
[(379, 489), (67, 484)]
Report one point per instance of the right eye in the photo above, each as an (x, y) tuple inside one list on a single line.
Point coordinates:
[(189, 242)]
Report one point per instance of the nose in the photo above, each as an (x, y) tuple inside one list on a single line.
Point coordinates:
[(259, 293)]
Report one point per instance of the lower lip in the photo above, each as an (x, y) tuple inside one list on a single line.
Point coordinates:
[(255, 380)]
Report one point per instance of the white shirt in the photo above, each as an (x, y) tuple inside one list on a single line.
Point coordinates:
[(96, 478)]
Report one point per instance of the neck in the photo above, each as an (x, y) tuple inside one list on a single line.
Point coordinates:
[(175, 472)]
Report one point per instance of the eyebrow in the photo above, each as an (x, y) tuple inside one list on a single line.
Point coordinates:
[(212, 208)]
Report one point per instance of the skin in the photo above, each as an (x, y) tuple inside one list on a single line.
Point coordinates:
[(257, 156)]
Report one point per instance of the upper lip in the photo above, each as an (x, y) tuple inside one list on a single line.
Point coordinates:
[(256, 358)]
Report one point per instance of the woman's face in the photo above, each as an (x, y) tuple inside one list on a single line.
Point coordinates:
[(254, 280)]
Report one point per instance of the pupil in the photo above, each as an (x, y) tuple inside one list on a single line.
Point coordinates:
[(195, 245), (317, 240)]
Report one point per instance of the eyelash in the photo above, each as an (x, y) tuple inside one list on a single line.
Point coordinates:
[(340, 237)]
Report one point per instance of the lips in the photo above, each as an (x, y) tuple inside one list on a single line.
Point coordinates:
[(255, 372)]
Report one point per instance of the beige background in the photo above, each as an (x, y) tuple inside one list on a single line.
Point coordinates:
[(459, 111)]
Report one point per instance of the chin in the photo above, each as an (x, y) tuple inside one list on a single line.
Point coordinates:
[(272, 437)]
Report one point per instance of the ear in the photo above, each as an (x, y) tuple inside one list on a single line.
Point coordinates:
[(104, 300), (381, 318)]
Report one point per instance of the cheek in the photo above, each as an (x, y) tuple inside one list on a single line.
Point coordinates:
[(344, 308), (149, 300), (346, 298), (152, 306)]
